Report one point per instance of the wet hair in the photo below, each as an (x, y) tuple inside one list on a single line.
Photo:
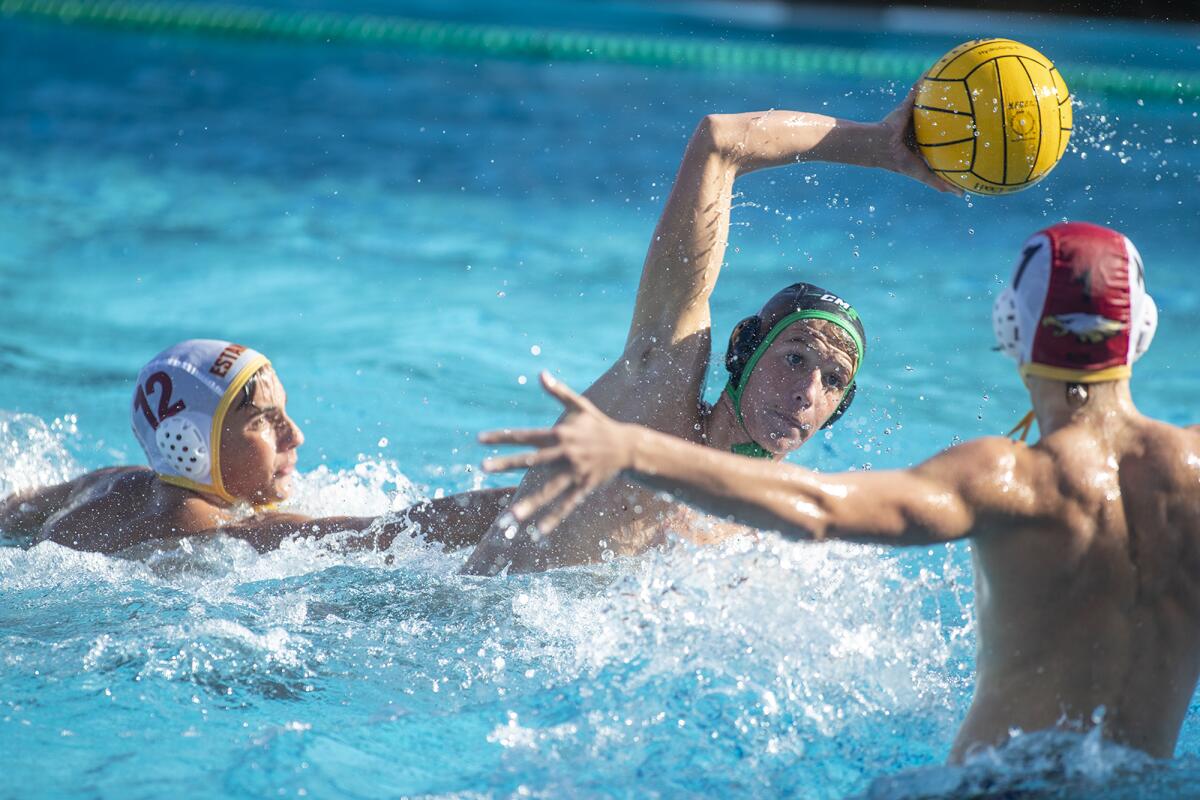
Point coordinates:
[(836, 335), (247, 393)]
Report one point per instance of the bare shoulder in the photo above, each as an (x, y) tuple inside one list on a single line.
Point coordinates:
[(995, 473), (143, 473), (988, 457), (190, 513), (61, 492), (1173, 450), (1186, 437), (656, 383), (26, 512)]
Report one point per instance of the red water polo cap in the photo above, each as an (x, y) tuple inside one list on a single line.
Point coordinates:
[(1076, 308)]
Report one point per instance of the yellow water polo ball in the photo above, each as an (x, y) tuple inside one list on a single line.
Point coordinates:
[(992, 116)]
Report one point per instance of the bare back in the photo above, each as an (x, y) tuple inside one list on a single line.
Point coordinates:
[(1086, 549), (1094, 600), (112, 509)]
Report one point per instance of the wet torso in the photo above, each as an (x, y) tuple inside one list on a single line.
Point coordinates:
[(660, 390), (1097, 603)]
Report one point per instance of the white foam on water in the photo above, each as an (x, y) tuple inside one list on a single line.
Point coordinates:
[(369, 489), (840, 628), (52, 566)]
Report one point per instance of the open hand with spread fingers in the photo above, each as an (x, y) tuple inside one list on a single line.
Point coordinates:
[(583, 452)]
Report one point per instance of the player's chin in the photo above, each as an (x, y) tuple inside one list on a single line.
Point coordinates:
[(277, 490), (782, 442), (282, 487)]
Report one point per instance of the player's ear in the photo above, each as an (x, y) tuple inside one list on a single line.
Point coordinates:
[(743, 341)]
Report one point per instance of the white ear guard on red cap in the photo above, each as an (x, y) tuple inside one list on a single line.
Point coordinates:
[(1144, 327), (1143, 310), (1004, 324)]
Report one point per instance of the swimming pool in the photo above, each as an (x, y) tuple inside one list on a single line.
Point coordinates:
[(398, 231)]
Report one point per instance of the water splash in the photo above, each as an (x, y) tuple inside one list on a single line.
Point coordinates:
[(34, 453)]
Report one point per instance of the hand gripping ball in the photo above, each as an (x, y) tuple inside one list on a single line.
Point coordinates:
[(992, 116)]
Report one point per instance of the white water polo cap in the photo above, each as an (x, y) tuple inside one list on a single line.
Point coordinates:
[(1077, 308), (179, 408)]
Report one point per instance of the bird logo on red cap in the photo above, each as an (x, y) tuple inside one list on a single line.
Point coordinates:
[(1090, 328)]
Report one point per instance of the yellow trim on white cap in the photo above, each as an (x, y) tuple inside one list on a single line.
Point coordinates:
[(218, 422), (188, 483), (1117, 373)]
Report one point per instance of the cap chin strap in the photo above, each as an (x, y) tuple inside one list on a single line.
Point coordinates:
[(752, 448), (1024, 426), (201, 488), (1119, 372)]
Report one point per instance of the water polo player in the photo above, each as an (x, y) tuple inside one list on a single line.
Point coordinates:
[(212, 419), (792, 366), (1086, 544)]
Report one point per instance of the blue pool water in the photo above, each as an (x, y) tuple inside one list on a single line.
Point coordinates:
[(399, 232)]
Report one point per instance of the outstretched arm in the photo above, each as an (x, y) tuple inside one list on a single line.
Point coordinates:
[(456, 521), (688, 248), (963, 491)]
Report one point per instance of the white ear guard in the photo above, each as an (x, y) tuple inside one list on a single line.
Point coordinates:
[(1005, 325), (1144, 328), (183, 444)]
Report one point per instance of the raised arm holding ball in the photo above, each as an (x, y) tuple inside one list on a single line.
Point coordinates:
[(1086, 544), (792, 365)]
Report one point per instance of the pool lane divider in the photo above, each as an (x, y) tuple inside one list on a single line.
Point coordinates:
[(503, 41)]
